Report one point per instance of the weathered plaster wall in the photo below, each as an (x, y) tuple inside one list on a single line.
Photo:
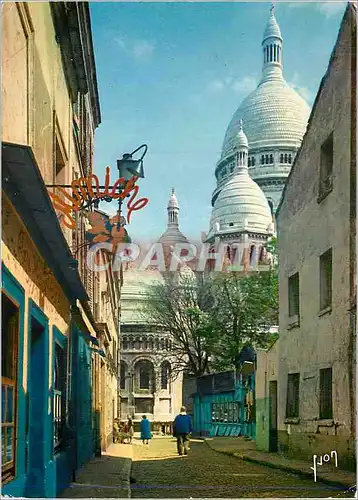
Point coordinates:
[(306, 230)]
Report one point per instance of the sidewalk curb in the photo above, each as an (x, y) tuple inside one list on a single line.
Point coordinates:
[(285, 468)]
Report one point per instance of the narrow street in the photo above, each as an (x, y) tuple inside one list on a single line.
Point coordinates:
[(159, 472)]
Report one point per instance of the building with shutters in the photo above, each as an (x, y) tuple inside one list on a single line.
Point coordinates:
[(51, 339), (306, 384)]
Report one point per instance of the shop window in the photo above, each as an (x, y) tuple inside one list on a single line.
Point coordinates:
[(213, 412), (325, 393), (9, 347), (326, 168), (293, 395), (294, 295), (325, 268), (59, 400)]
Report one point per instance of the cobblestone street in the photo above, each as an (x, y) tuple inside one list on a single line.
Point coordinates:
[(160, 473)]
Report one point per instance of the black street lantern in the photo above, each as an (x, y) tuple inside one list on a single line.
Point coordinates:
[(128, 167)]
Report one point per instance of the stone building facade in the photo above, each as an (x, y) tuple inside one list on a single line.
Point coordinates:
[(147, 386), (317, 271), (50, 110)]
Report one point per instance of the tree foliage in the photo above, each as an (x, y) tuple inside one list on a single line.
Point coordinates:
[(181, 308), (211, 318)]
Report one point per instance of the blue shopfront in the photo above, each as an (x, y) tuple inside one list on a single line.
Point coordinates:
[(224, 404), (45, 362)]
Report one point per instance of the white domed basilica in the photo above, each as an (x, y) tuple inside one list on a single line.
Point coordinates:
[(274, 118)]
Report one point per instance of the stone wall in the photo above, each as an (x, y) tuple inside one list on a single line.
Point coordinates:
[(308, 227)]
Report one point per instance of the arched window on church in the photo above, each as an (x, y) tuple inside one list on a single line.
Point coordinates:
[(151, 344), (262, 255), (271, 57), (165, 375), (267, 159), (131, 343), (253, 161), (286, 158), (271, 158), (289, 159), (144, 370), (125, 343), (262, 159), (123, 374), (281, 158), (249, 162), (267, 54), (253, 256)]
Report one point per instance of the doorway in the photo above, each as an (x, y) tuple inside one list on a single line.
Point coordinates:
[(37, 409), (273, 436)]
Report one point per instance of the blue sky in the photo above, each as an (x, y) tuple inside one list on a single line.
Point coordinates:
[(172, 74)]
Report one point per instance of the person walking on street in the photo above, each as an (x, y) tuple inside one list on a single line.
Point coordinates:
[(130, 430), (182, 427), (145, 433)]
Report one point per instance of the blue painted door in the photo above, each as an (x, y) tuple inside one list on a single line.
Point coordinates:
[(37, 402)]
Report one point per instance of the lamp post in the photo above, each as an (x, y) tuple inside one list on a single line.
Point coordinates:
[(127, 168)]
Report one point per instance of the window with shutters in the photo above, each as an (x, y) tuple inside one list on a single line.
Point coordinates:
[(326, 168), (325, 393), (325, 268), (293, 395), (294, 295), (9, 354)]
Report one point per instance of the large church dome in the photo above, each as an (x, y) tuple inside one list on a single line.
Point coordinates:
[(274, 115), (241, 205), (275, 118)]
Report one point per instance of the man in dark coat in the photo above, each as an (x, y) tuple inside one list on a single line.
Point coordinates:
[(182, 427)]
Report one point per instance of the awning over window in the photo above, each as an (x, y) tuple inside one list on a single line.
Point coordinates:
[(25, 188)]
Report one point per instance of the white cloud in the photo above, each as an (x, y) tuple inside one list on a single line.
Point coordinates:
[(138, 49), (330, 8), (304, 92), (244, 85), (216, 85), (142, 49), (327, 7)]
